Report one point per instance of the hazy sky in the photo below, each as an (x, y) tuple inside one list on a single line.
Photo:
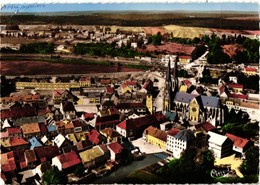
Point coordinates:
[(131, 6)]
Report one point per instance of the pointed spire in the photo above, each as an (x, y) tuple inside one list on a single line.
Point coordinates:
[(168, 74), (175, 72)]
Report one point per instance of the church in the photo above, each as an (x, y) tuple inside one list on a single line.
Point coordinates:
[(191, 107)]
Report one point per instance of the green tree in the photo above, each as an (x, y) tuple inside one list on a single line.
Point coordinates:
[(194, 166), (206, 77), (183, 73), (241, 57), (54, 176), (156, 39), (79, 171), (250, 165), (37, 47)]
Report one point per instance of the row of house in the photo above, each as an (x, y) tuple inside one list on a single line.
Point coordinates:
[(176, 141)]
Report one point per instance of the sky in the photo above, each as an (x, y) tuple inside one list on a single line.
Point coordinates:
[(131, 6)]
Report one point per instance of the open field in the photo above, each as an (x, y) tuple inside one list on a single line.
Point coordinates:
[(9, 67), (220, 20), (185, 32)]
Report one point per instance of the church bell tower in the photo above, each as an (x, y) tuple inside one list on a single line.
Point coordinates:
[(171, 84)]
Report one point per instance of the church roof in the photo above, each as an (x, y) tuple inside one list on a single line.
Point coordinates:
[(210, 101), (183, 97)]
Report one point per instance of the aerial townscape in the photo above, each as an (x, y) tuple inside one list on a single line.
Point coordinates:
[(109, 97)]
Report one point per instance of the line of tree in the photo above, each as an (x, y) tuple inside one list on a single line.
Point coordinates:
[(105, 49), (155, 39), (250, 54), (37, 47)]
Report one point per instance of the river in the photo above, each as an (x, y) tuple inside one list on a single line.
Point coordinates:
[(124, 171)]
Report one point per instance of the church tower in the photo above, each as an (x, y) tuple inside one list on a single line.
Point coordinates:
[(171, 86), (149, 102), (175, 82)]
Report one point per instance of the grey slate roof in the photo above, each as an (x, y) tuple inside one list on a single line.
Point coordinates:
[(185, 135), (207, 101), (210, 101), (183, 97)]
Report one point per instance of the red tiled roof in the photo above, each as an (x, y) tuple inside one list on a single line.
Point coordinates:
[(159, 117), (16, 141), (184, 57), (130, 82), (110, 90), (140, 122), (8, 162), (157, 133), (122, 125), (83, 144), (221, 89), (30, 156), (238, 141), (109, 132), (124, 86), (84, 79), (20, 98), (150, 130), (232, 49), (58, 93), (4, 134), (108, 120), (205, 126), (104, 148), (76, 123), (43, 127), (172, 48), (235, 86), (89, 116), (173, 131), (187, 82), (18, 112), (46, 153), (69, 159), (251, 69), (238, 96), (161, 135), (113, 111), (93, 136), (130, 105), (23, 164), (69, 125), (116, 147), (31, 128), (146, 84), (59, 124), (105, 81)]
